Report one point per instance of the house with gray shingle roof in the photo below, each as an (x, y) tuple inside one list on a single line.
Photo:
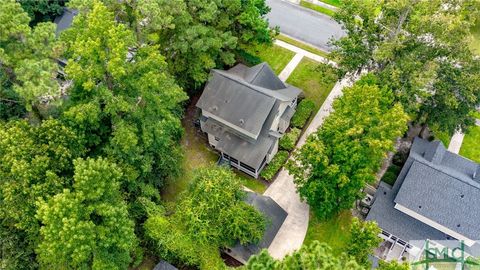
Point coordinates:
[(275, 216), (436, 197), (244, 111)]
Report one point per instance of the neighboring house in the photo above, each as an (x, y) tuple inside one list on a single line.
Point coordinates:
[(245, 111), (64, 21), (436, 197), (275, 216), (163, 265)]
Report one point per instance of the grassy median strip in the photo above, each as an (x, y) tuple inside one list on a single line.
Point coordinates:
[(317, 8), (302, 45)]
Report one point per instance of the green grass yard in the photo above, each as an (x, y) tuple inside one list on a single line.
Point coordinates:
[(315, 79), (335, 3), (276, 56), (317, 8), (471, 144), (475, 44), (334, 231)]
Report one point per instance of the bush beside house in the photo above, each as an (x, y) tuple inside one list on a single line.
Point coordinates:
[(288, 141), (391, 174), (304, 110), (274, 166)]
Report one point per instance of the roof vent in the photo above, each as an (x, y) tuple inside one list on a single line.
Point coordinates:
[(242, 121), (215, 108)]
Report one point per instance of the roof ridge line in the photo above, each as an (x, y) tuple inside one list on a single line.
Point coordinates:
[(261, 68), (249, 85), (426, 163)]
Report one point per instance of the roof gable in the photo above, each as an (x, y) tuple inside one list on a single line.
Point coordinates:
[(239, 106), (262, 75), (440, 186)]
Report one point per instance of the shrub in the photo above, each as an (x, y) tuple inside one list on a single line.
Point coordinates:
[(274, 166), (287, 142), (389, 178), (304, 110)]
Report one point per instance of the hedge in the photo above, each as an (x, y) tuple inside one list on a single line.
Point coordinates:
[(391, 174), (287, 142), (304, 109), (275, 165)]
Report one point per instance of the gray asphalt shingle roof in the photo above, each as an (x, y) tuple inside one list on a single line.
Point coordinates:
[(436, 184), (244, 110), (236, 103), (64, 20), (275, 216)]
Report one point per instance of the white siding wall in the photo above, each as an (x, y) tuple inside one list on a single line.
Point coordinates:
[(281, 109), (274, 151)]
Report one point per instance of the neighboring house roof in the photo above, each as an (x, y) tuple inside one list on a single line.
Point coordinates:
[(275, 216), (163, 265), (439, 185), (64, 20)]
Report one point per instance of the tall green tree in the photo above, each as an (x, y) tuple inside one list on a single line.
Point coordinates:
[(337, 161), (213, 210), (210, 215), (316, 256), (393, 265), (87, 226), (419, 49), (123, 100), (363, 241), (194, 36), (43, 10), (35, 164), (27, 58)]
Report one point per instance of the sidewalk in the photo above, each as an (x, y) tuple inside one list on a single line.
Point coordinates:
[(283, 190)]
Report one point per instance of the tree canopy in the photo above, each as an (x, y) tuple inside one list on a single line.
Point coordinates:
[(194, 36), (420, 50), (211, 215), (338, 160), (363, 241), (27, 59), (123, 100), (316, 256), (88, 226)]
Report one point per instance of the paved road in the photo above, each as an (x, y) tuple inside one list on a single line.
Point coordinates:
[(303, 24)]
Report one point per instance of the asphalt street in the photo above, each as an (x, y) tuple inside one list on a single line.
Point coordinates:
[(303, 24)]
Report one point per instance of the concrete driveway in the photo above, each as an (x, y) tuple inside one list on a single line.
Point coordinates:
[(304, 24)]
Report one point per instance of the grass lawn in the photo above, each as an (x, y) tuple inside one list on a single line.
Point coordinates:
[(251, 183), (315, 79), (475, 44), (335, 3), (276, 56), (335, 231), (197, 154), (476, 114), (302, 45), (471, 144), (317, 8), (442, 136)]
